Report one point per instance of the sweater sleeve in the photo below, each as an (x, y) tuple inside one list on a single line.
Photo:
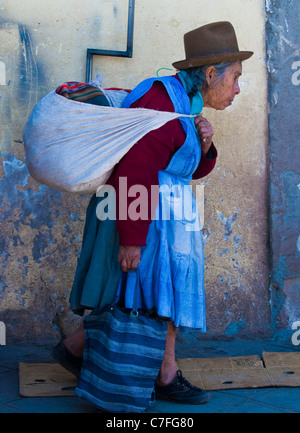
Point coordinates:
[(137, 173), (207, 163)]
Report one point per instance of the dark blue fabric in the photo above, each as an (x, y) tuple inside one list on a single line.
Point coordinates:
[(122, 357)]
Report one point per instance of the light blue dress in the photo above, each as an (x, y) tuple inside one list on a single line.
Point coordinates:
[(172, 264)]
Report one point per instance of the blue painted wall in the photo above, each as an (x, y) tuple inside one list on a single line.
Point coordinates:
[(283, 61)]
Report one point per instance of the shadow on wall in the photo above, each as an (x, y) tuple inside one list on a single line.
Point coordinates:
[(21, 83)]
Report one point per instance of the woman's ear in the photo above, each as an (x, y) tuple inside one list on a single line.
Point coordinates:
[(210, 76)]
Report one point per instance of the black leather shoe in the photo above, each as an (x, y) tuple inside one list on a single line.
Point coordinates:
[(65, 358), (181, 391)]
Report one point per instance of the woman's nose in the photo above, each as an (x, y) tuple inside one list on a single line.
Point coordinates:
[(237, 89)]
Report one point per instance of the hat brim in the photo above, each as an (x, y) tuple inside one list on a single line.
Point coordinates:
[(214, 58)]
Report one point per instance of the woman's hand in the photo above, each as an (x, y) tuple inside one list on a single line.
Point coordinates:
[(205, 132), (129, 258)]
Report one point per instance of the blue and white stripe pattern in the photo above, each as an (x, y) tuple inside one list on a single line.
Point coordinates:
[(122, 357)]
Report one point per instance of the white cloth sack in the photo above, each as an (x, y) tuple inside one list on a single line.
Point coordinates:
[(73, 146)]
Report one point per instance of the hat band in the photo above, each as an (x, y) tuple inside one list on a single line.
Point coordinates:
[(210, 59)]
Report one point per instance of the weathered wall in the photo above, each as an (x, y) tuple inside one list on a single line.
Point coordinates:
[(41, 229), (283, 43)]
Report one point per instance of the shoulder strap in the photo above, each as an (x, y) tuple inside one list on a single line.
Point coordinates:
[(174, 88)]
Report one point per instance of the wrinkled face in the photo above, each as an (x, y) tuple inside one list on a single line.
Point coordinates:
[(221, 91)]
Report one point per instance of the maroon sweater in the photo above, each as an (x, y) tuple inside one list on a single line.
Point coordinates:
[(140, 166)]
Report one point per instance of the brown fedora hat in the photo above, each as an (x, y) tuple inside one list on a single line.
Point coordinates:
[(212, 43)]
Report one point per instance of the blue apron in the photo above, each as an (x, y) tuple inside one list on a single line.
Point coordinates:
[(172, 262)]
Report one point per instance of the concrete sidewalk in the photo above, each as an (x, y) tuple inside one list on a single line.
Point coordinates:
[(263, 400)]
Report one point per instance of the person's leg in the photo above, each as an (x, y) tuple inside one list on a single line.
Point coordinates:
[(69, 352), (168, 368), (170, 384), (74, 343)]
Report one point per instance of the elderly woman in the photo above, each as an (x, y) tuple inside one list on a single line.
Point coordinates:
[(167, 251)]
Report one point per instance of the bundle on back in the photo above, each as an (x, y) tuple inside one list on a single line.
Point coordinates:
[(72, 143)]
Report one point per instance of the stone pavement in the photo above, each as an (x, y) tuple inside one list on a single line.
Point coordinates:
[(267, 400)]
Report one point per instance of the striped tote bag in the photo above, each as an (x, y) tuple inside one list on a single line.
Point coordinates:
[(122, 357)]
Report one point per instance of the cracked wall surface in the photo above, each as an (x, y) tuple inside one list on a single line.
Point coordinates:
[(41, 229), (283, 60)]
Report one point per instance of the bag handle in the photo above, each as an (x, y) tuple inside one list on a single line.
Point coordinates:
[(120, 290)]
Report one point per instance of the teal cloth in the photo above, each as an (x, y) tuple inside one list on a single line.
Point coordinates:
[(98, 270), (197, 103)]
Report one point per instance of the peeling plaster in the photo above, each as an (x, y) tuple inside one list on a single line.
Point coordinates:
[(234, 328), (228, 223), (283, 43)]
